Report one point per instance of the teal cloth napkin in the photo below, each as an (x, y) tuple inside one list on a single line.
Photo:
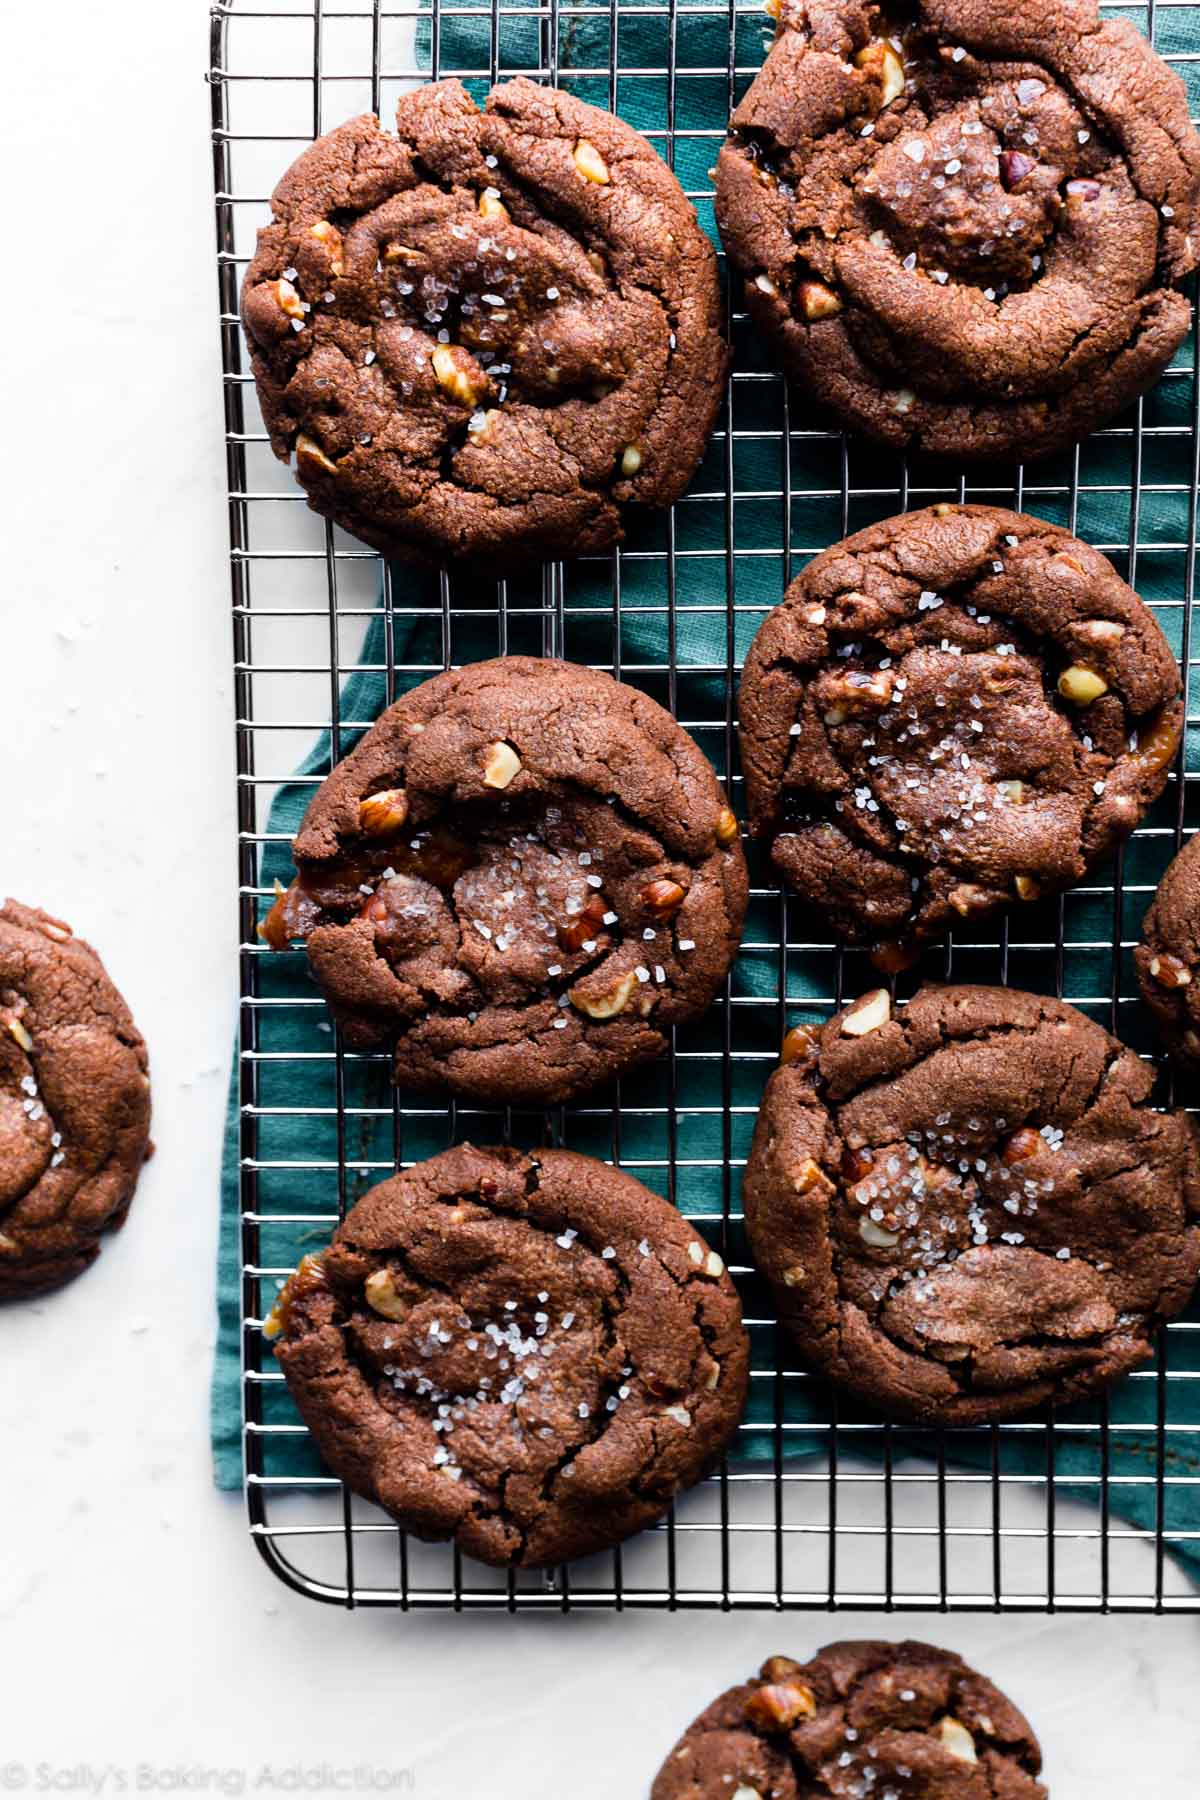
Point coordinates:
[(795, 484)]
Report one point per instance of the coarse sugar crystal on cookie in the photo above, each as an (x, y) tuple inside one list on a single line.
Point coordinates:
[(528, 1354), (74, 1103), (490, 333), (523, 876), (952, 712), (860, 1720), (961, 226), (965, 1206)]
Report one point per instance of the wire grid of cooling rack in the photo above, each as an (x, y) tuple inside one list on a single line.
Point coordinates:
[(818, 1506)]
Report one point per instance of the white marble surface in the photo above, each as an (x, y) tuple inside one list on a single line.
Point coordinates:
[(142, 1641)]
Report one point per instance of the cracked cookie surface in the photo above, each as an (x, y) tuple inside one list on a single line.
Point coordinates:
[(960, 226), (1168, 958), (966, 1207), (524, 875), (529, 1354), (489, 333), (861, 1718), (74, 1103), (953, 711)]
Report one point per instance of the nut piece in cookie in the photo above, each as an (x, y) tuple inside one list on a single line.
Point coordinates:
[(518, 1353), (523, 876), (74, 1103), (971, 1210), (1168, 958), (510, 335), (859, 1718), (964, 233), (952, 712)]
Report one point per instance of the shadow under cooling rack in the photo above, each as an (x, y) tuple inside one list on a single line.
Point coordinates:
[(816, 1506)]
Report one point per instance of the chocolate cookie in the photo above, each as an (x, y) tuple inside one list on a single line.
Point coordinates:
[(961, 233), (525, 874), (528, 1354), (966, 1208), (888, 1721), (951, 710), (1168, 957), (74, 1103), (490, 333)]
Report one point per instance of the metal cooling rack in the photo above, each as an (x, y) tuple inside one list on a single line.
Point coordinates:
[(876, 1517)]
